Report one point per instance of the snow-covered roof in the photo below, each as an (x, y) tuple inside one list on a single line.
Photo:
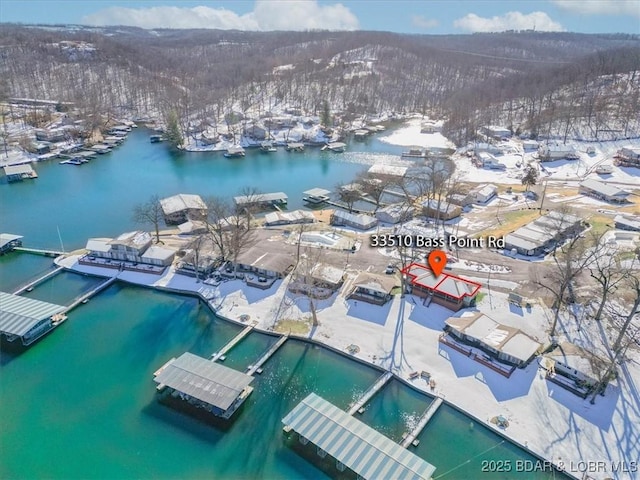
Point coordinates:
[(378, 283), (182, 201), (192, 226), (445, 284), (632, 222), (328, 273), (485, 190), (17, 169), (158, 253), (388, 170), (603, 188), (98, 245), (294, 216), (363, 221), (135, 239)]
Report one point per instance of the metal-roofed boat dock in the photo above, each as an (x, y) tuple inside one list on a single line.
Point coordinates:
[(204, 384), (352, 443), (26, 318)]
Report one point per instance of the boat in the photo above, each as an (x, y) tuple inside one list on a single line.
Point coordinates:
[(72, 161), (156, 138), (415, 153), (295, 147), (234, 152), (267, 146)]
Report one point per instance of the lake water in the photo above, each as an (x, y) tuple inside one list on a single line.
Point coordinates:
[(81, 402)]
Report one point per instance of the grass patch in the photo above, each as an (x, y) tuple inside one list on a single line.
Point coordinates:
[(295, 327), (511, 221), (480, 297), (396, 290), (600, 223)]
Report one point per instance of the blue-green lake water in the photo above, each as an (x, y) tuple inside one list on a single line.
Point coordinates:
[(81, 402)]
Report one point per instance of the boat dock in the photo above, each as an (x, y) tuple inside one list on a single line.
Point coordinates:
[(29, 286), (381, 382), (256, 367), (39, 251), (85, 297), (411, 438), (220, 355)]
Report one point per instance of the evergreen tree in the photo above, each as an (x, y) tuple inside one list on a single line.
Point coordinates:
[(326, 115), (173, 134), (530, 178)]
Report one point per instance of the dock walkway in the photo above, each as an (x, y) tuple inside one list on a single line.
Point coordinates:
[(83, 298), (39, 251), (219, 355), (38, 281), (411, 437), (256, 367), (381, 382)]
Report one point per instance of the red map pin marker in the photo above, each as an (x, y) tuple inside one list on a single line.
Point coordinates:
[(437, 261)]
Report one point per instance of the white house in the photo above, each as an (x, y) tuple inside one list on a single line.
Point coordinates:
[(548, 152), (483, 193), (395, 213)]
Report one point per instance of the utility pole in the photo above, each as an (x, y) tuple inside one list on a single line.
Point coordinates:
[(544, 192)]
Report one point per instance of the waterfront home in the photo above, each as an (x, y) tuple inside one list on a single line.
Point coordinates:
[(495, 132), (627, 222), (573, 368), (450, 291), (201, 265), (603, 191), (25, 318), (483, 193), (430, 126), (322, 281), (204, 384), (157, 255), (373, 288), (354, 220), (17, 173), (441, 210), (183, 207), (502, 342), (288, 218), (265, 264), (629, 156), (555, 151), (255, 131), (481, 147), (396, 213), (543, 234), (127, 251), (8, 242), (51, 135)]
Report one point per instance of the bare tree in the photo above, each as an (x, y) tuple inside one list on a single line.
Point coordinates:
[(606, 271), (348, 194), (149, 213)]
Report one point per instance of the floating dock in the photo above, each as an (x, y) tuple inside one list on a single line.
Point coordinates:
[(381, 382), (38, 281), (220, 355), (39, 251), (410, 438), (256, 367), (84, 298)]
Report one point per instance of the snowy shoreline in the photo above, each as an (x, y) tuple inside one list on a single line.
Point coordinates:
[(372, 328)]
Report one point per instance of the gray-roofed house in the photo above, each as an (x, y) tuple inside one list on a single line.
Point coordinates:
[(25, 318), (442, 210), (289, 218), (182, 207), (358, 449), (627, 222), (267, 264), (603, 191), (396, 213), (507, 344), (483, 193), (543, 234), (373, 288), (204, 384), (358, 221)]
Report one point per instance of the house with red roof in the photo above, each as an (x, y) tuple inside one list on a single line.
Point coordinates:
[(450, 291)]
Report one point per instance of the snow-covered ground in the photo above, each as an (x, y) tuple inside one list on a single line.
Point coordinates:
[(517, 159), (403, 337)]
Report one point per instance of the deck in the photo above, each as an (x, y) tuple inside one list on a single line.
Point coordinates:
[(256, 367), (410, 438), (29, 286), (220, 355)]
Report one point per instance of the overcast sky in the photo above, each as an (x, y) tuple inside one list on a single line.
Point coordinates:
[(417, 16)]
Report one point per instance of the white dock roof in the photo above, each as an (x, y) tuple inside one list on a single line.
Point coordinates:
[(19, 314), (364, 450), (208, 381), (18, 169), (8, 237)]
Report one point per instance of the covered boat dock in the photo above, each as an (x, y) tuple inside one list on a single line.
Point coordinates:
[(316, 196), (352, 443), (25, 318), (262, 200), (204, 384)]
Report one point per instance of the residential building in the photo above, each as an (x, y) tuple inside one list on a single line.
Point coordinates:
[(442, 210), (395, 213), (289, 218), (629, 156), (573, 368), (358, 221), (502, 342), (450, 291), (183, 207), (627, 222), (603, 191), (495, 132), (483, 193), (555, 151), (373, 288), (543, 234), (266, 264)]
